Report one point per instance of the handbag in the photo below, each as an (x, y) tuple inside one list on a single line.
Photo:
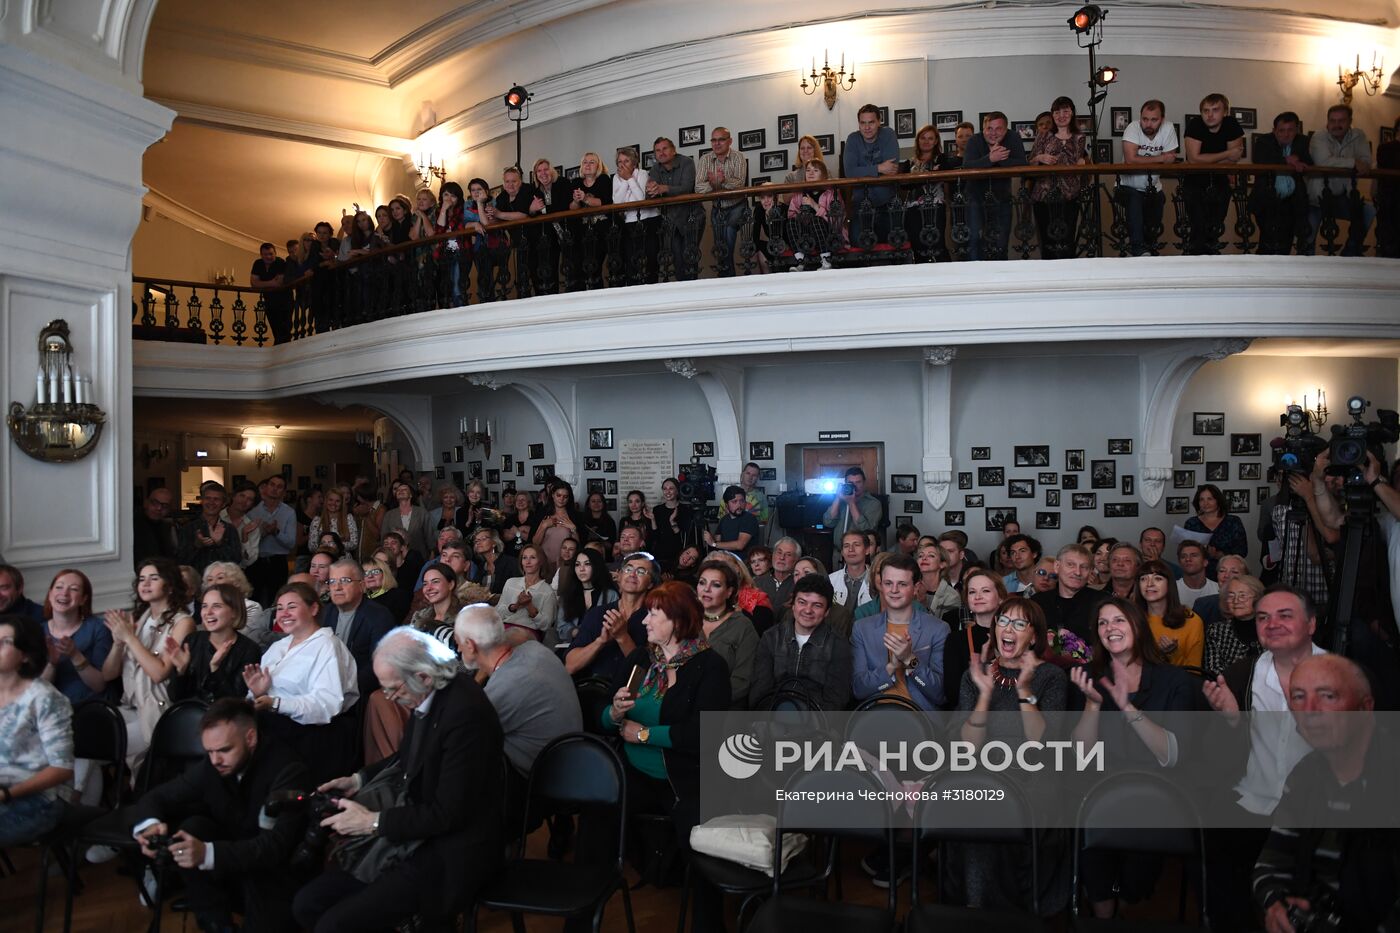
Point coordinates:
[(746, 839), (366, 858)]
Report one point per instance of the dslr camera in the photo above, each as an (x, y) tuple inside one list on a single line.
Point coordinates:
[(316, 807), (1320, 916), (160, 843)]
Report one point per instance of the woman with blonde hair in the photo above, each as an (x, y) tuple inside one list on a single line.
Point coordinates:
[(259, 621), (641, 229), (924, 204), (588, 237), (382, 587), (337, 518)]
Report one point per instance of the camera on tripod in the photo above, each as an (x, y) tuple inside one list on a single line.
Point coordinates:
[(697, 482), (1300, 443), (1352, 442)]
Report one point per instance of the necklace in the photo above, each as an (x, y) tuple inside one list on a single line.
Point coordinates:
[(1001, 678)]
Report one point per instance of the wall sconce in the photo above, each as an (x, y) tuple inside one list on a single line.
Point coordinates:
[(428, 168), (829, 80), (63, 424), (1370, 81), (1318, 412), (364, 439), (151, 454), (264, 451), (473, 435)]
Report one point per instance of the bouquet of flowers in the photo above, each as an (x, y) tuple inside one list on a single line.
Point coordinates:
[(1067, 649)]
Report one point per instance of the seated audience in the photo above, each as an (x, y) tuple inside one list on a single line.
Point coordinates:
[(804, 654), (1209, 608), (1024, 553), (972, 626), (856, 510), (78, 642), (521, 522), (597, 524), (259, 621), (1194, 583), (1232, 637), (491, 565), (360, 623), (36, 737), (382, 587), (727, 630), (751, 600), (609, 633), (210, 663), (1070, 604), (335, 516), (853, 585), (900, 649), (409, 520), (206, 537), (939, 596), (233, 856), (777, 580), (440, 593), (1180, 633), (737, 530), (589, 585), (528, 606), (814, 220), (1124, 562)]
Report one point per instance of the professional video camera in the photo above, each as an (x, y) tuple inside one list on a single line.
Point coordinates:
[(317, 807), (697, 482), (1351, 442), (1297, 450)]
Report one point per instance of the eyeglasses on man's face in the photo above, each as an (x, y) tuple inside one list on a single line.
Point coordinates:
[(344, 581)]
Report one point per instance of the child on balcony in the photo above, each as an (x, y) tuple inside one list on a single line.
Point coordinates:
[(815, 220)]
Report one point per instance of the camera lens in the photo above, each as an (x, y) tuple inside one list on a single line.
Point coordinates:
[(1348, 452)]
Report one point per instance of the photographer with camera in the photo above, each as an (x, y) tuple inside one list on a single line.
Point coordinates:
[(422, 828), (1329, 863), (232, 848), (853, 509)]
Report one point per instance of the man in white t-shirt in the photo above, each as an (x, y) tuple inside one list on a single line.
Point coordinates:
[(1191, 557), (1151, 140)]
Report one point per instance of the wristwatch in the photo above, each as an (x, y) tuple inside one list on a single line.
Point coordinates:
[(276, 704), (643, 734), (374, 827), (1031, 700), (912, 663)]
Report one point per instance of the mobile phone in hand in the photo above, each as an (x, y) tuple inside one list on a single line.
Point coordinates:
[(634, 682)]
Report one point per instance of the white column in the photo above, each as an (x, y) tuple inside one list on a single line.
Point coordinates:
[(938, 423)]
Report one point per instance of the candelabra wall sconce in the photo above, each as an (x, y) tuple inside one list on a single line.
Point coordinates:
[(64, 423), (472, 435), (264, 451)]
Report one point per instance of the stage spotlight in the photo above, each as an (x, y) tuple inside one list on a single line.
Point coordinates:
[(516, 98), (1085, 19), (1105, 76)]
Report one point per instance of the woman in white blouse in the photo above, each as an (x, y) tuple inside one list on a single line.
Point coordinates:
[(306, 687), (528, 603), (641, 229)]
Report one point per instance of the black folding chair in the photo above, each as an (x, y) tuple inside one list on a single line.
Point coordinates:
[(99, 734), (1109, 821), (175, 745), (595, 694), (863, 817), (1010, 823), (577, 770)]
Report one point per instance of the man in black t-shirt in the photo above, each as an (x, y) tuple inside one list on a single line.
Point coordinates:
[(519, 201), (1213, 138), (738, 530), (268, 272)]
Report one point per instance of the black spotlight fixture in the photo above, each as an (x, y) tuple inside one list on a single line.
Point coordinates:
[(516, 98), (517, 101), (1106, 75), (1085, 19)]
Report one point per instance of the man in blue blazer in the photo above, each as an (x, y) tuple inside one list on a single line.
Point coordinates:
[(357, 621), (900, 649)]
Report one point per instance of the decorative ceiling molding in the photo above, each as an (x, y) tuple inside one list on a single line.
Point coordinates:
[(471, 24), (261, 124), (200, 223)]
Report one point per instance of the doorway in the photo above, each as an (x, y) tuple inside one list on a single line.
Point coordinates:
[(821, 462)]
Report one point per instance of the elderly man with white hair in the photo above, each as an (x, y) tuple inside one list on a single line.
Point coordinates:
[(420, 838)]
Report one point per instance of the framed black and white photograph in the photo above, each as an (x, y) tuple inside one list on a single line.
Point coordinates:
[(691, 135), (572, 172), (596, 484), (1024, 130), (508, 487), (767, 474), (702, 153), (703, 448), (1251, 471), (991, 476), (1069, 481), (1178, 505), (1047, 479), (761, 180), (1084, 123), (648, 160), (787, 129), (447, 456), (458, 454), (1262, 494), (965, 480), (946, 121), (1074, 461), (760, 450), (536, 452), (981, 453), (1218, 471), (884, 116), (1237, 501), (1104, 473), (520, 468), (600, 439), (774, 160), (903, 483), (1120, 510), (1118, 446), (1208, 423), (592, 464), (610, 505), (1103, 152), (612, 487), (913, 506), (827, 142), (1193, 455), (1128, 484), (493, 477), (440, 473), (998, 517), (1052, 498), (954, 519), (1247, 117), (474, 469), (752, 139), (1183, 479), (1020, 489), (1386, 135), (541, 472), (974, 501), (609, 466), (1245, 445), (1034, 455), (1119, 118), (507, 463), (1081, 501), (904, 124), (1047, 521)]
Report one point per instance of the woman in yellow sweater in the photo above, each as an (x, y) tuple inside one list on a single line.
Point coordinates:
[(1180, 633)]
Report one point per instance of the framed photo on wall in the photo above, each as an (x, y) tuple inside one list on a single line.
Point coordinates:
[(1020, 489), (964, 480), (752, 139), (690, 135), (1119, 118), (975, 501), (1074, 461), (1120, 510), (998, 517), (760, 450), (1218, 471), (946, 121), (787, 129), (1183, 479), (1178, 505), (1105, 474), (536, 451), (592, 464), (1245, 445), (991, 476), (1035, 455), (1052, 498), (1251, 471), (903, 483), (703, 448), (1120, 446), (1208, 423), (1047, 521), (827, 142), (1103, 152), (1082, 501), (600, 438), (913, 506), (774, 160), (1069, 481), (981, 453), (954, 519), (904, 124), (1193, 455), (1237, 501), (1047, 479)]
